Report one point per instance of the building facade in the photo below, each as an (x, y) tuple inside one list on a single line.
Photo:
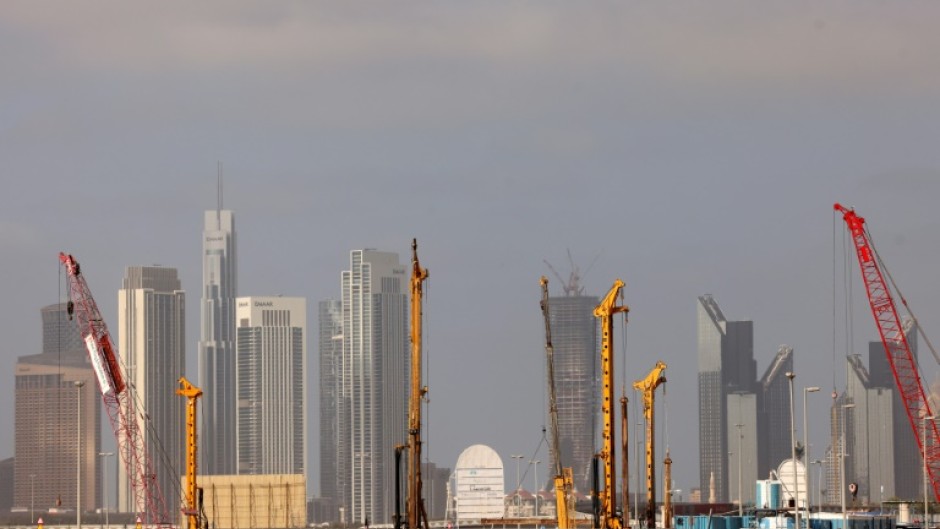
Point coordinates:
[(726, 365), (52, 416), (59, 331), (773, 418), (373, 398), (216, 356), (575, 343), (330, 347), (742, 433), (152, 343), (271, 375)]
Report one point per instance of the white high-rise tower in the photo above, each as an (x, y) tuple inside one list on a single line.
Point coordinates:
[(271, 373), (373, 395), (216, 369), (152, 343)]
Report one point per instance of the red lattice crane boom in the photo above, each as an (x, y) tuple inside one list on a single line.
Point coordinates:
[(118, 398), (900, 357)]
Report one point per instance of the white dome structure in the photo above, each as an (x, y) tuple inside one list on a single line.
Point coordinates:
[(789, 481), (479, 484)]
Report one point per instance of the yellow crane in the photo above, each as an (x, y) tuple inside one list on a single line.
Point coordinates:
[(647, 387), (608, 497), (193, 507), (564, 482), (415, 511)]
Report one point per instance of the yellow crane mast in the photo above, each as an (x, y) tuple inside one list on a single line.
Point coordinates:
[(608, 497), (416, 513), (647, 387), (193, 507), (564, 482)]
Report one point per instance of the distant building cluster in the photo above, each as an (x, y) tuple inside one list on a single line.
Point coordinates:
[(252, 366), (746, 421)]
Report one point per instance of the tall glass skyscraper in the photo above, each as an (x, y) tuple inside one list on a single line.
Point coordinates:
[(272, 381), (152, 342), (773, 418), (726, 366), (575, 342), (373, 398), (332, 482), (216, 357)]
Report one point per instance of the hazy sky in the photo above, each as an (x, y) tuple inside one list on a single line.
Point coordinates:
[(696, 147)]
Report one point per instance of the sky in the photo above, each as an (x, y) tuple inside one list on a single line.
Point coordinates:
[(690, 148)]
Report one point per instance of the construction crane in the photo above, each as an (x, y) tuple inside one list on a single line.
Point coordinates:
[(608, 496), (193, 507), (647, 387), (564, 482), (119, 400), (415, 511), (900, 357)]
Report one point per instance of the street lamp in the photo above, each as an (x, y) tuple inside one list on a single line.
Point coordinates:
[(78, 461), (796, 478), (926, 418), (818, 463), (845, 521), (535, 464), (518, 459), (809, 492), (104, 473), (740, 496)]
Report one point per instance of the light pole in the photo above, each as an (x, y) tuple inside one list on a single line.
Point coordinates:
[(78, 461), (796, 478), (809, 492), (535, 465), (32, 498), (104, 472), (818, 464), (740, 450), (516, 501), (845, 521), (518, 459), (926, 418)]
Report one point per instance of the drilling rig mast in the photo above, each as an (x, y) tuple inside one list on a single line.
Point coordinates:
[(193, 507), (117, 396), (608, 497), (647, 387), (564, 482), (415, 503)]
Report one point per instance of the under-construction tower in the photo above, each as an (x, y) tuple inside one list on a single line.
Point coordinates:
[(575, 341)]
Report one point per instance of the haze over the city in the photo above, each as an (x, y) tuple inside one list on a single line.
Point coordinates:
[(690, 149)]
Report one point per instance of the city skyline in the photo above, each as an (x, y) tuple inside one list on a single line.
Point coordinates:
[(697, 149)]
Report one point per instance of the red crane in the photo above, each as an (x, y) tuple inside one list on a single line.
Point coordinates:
[(906, 375), (118, 398)]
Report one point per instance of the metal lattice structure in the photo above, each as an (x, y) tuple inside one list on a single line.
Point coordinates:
[(900, 357), (118, 398)]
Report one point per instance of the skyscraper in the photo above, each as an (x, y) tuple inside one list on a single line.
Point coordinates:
[(726, 365), (152, 342), (332, 482), (217, 344), (271, 385), (46, 430), (907, 460), (373, 399), (575, 343), (59, 331), (773, 418)]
